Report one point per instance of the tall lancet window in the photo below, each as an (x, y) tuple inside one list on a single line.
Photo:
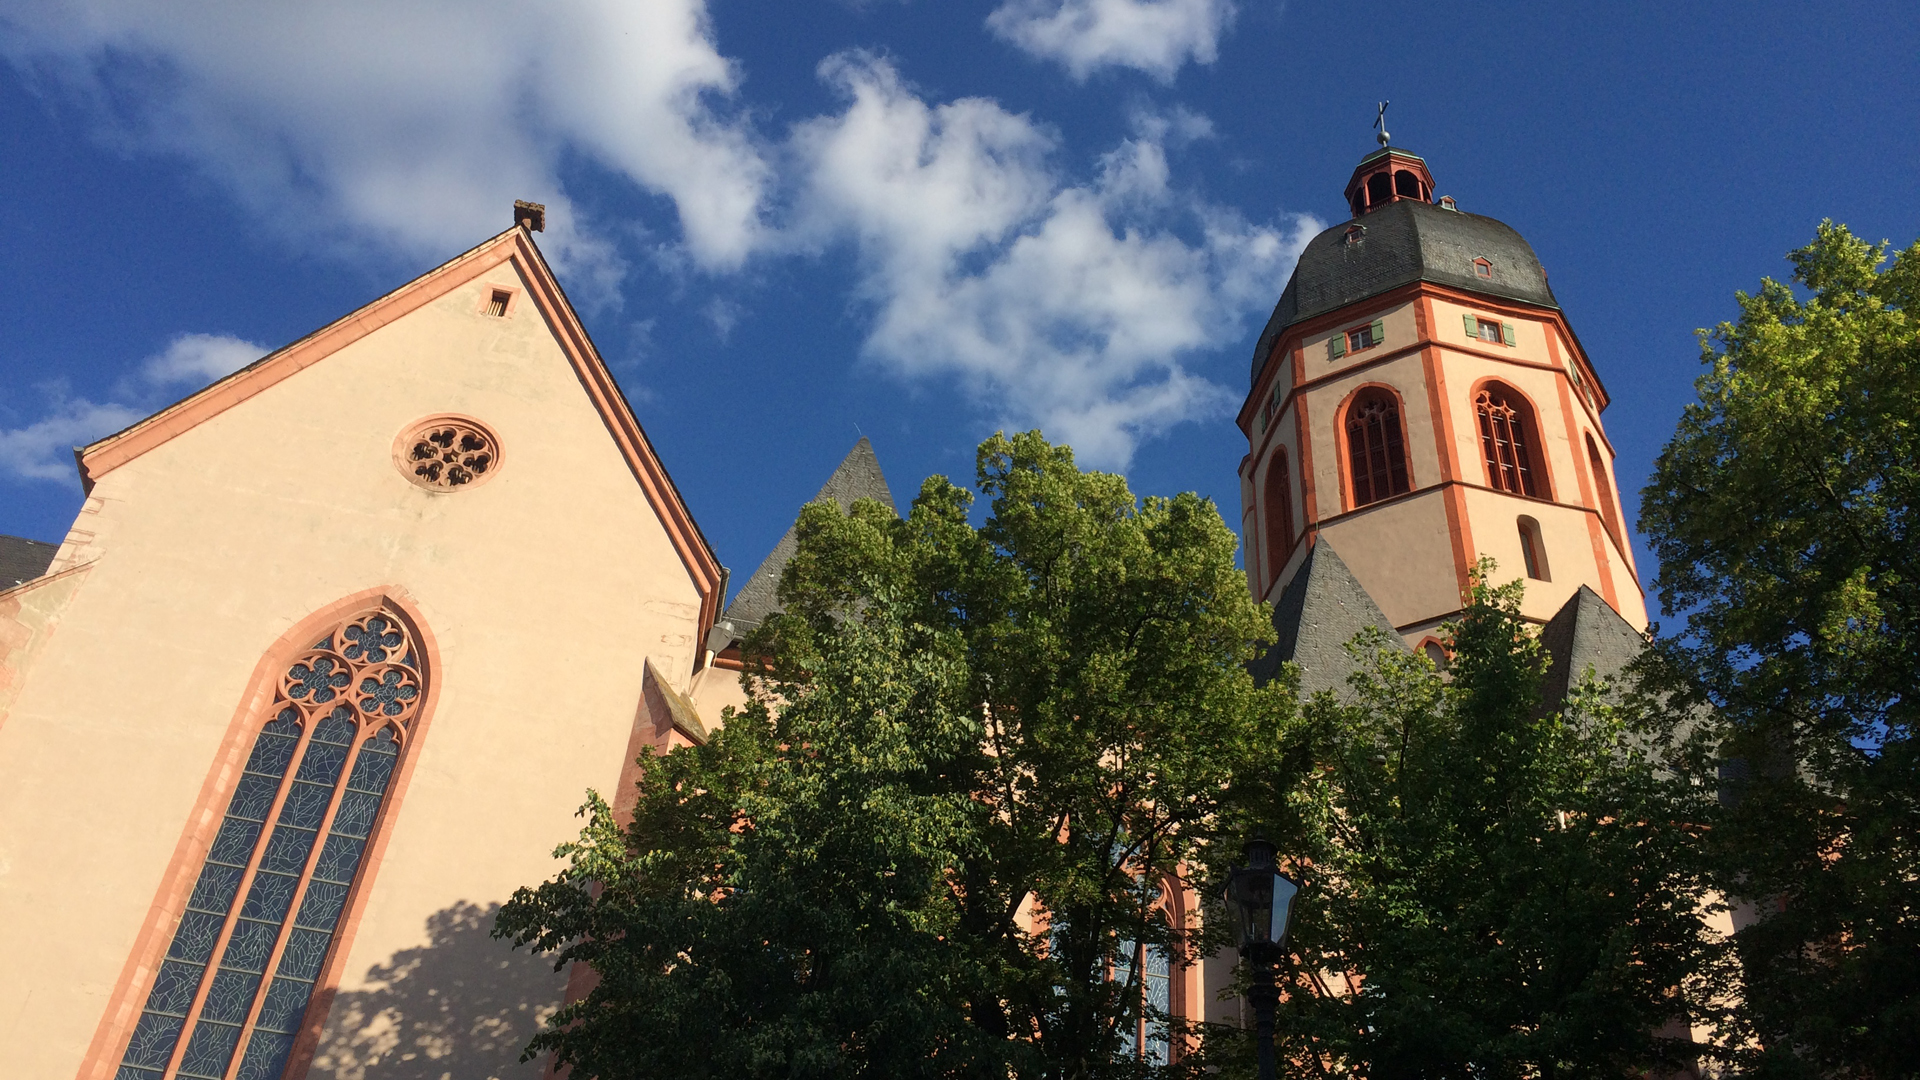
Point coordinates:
[(1279, 511), (1376, 450), (233, 986), (1507, 440)]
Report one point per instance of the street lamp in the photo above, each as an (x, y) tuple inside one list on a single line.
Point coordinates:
[(1260, 900)]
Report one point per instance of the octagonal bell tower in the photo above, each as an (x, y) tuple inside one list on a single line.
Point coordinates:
[(1418, 400)]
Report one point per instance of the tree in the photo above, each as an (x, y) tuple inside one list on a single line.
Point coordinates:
[(941, 839), (1509, 884), (1782, 514)]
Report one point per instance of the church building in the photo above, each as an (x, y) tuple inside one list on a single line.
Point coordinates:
[(334, 646)]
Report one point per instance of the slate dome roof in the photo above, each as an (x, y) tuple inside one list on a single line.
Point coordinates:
[(1402, 242)]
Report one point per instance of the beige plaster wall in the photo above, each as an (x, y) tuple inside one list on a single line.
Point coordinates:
[(1400, 553), (1406, 376), (546, 588), (1400, 329)]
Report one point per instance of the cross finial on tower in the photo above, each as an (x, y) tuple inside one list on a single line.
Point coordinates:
[(1380, 122)]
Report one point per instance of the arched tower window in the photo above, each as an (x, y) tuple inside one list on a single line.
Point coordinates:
[(1532, 551), (1277, 505), (1507, 439), (244, 958), (1603, 490), (1376, 450)]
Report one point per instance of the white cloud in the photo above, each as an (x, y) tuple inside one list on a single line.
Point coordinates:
[(1154, 36), (412, 127), (1067, 305), (199, 359), (43, 449)]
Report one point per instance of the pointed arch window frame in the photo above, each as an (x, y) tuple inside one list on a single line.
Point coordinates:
[(1379, 460), (1508, 432), (258, 708), (1276, 509)]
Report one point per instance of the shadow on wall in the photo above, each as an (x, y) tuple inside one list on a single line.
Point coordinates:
[(462, 1006)]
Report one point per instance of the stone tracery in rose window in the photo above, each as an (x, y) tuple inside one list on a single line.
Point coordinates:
[(448, 453), (260, 922)]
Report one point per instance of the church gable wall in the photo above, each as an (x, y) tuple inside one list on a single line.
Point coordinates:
[(547, 586)]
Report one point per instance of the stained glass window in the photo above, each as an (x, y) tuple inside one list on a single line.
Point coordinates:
[(1506, 439), (1376, 451), (279, 872)]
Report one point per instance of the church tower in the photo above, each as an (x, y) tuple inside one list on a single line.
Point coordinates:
[(1419, 400)]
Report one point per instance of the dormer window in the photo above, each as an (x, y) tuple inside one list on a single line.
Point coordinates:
[(1483, 269), (1447, 203), (1356, 233)]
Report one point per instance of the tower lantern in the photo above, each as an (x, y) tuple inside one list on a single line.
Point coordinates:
[(1388, 175), (1419, 400)]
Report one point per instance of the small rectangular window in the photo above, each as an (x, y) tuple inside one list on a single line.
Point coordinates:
[(1360, 339), (497, 307), (1487, 330)]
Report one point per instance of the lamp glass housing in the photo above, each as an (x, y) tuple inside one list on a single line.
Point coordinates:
[(1260, 899)]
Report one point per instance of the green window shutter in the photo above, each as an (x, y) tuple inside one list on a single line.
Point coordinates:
[(1379, 331), (1337, 346), (1261, 427), (1473, 326), (1506, 334)]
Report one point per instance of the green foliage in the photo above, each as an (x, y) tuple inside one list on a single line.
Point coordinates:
[(1514, 883), (956, 729), (1782, 515)]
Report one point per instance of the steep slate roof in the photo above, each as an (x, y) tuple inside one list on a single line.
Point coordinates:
[(1319, 611), (1585, 632), (858, 477), (22, 560), (1404, 242)]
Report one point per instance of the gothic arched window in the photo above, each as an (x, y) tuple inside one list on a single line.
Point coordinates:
[(1278, 507), (1507, 440), (1603, 490), (262, 916), (1376, 451)]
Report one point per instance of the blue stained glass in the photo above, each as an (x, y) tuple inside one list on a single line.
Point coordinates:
[(338, 859), (230, 996), (253, 797), (234, 845), (173, 988), (374, 767), (321, 908), (272, 751), (338, 728), (1157, 984), (387, 695), (287, 849), (269, 897), (128, 1072), (247, 949), (266, 1056), (306, 804), (318, 682), (209, 1050), (305, 951), (322, 763), (194, 940), (373, 642), (356, 813), (214, 891), (153, 1039), (286, 1003)]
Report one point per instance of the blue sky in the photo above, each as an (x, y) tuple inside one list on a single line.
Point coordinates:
[(789, 224)]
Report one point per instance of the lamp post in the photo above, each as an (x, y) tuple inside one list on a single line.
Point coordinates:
[(1260, 900)]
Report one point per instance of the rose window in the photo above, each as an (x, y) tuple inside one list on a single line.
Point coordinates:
[(447, 453)]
